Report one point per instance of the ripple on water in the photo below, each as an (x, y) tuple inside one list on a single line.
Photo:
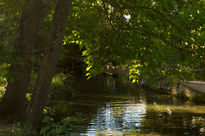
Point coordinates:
[(117, 116)]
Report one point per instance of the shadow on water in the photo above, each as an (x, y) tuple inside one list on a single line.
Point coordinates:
[(108, 106)]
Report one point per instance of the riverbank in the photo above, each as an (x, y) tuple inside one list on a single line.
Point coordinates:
[(198, 86), (120, 104), (187, 90)]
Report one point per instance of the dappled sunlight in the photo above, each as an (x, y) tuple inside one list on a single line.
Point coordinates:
[(114, 110), (197, 109), (134, 118), (126, 111), (2, 91), (59, 79), (122, 133), (102, 67), (117, 116)]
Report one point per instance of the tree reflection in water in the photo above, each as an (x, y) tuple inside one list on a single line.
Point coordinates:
[(110, 108)]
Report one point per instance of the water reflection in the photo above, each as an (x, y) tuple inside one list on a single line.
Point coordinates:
[(111, 108), (117, 116)]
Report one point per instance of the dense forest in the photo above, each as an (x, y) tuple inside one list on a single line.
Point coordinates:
[(150, 39)]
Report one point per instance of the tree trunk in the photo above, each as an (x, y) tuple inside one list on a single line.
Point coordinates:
[(13, 102), (48, 66)]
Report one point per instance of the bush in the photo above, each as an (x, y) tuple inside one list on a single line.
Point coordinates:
[(52, 128)]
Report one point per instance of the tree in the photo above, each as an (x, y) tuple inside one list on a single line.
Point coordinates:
[(158, 39), (48, 65), (13, 102)]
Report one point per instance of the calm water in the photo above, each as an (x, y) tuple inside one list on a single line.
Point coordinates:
[(109, 107)]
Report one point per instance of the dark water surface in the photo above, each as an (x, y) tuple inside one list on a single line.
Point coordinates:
[(110, 107)]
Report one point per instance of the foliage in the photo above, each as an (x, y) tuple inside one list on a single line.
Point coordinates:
[(3, 73), (155, 40), (9, 17), (60, 86), (10, 12), (53, 128), (49, 128), (3, 81), (161, 39), (26, 132), (66, 126), (59, 79)]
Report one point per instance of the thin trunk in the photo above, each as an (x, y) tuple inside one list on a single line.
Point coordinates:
[(13, 102), (48, 66)]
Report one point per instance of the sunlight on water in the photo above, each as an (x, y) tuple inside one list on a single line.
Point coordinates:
[(115, 117), (117, 109)]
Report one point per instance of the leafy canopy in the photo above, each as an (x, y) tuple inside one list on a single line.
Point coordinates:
[(158, 39)]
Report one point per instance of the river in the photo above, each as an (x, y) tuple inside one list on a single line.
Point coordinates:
[(112, 107)]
